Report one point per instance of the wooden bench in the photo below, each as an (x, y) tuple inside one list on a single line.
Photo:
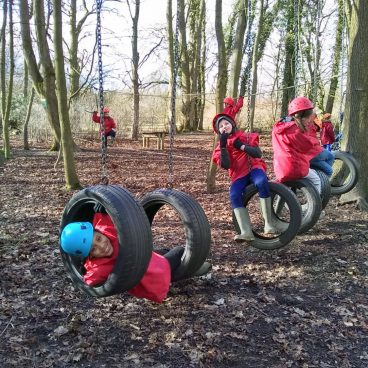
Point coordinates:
[(158, 135)]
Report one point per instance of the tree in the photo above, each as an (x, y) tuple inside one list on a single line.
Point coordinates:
[(6, 88), (71, 176), (44, 84), (355, 127)]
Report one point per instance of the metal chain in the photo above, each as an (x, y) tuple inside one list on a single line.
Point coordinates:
[(104, 175), (170, 179), (296, 47), (315, 74)]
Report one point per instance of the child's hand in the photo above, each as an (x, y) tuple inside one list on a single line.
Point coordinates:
[(238, 144), (223, 139)]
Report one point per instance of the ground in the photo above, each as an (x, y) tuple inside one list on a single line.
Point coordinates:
[(304, 305)]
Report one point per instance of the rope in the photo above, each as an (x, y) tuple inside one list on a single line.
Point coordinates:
[(104, 175), (170, 179)]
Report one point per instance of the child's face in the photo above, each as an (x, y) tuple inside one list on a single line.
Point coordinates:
[(101, 246), (225, 126)]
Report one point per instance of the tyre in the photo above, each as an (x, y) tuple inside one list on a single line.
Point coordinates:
[(192, 220), (345, 175), (134, 234), (325, 188), (309, 200), (291, 213)]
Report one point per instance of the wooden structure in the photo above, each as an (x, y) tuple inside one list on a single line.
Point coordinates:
[(158, 135)]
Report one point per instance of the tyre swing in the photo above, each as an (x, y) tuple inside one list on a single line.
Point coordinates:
[(178, 204), (291, 211), (127, 214)]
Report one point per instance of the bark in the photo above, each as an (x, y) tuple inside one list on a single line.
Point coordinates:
[(135, 66), (71, 177), (355, 133), (26, 122), (336, 58), (6, 91), (202, 67)]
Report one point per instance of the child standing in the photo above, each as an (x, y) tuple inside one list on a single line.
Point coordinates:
[(232, 109), (240, 154), (98, 241)]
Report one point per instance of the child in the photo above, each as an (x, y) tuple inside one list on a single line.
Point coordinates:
[(327, 133), (295, 143), (110, 126), (99, 243), (230, 108), (240, 154)]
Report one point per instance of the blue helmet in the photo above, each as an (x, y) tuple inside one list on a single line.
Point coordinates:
[(76, 238)]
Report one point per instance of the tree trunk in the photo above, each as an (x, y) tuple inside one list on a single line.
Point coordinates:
[(336, 58), (73, 53), (71, 177), (6, 95), (135, 77), (356, 112), (202, 68), (26, 122), (48, 72)]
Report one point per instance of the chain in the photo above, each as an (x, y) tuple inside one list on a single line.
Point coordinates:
[(104, 175), (170, 180), (342, 92), (315, 74), (296, 47)]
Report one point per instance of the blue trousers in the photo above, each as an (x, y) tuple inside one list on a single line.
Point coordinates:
[(323, 161), (237, 188)]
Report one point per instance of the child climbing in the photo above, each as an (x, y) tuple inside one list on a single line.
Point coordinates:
[(232, 109), (109, 123)]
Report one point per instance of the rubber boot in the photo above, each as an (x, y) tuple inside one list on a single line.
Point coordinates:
[(272, 224), (246, 233)]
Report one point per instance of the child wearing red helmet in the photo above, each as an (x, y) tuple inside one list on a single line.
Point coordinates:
[(109, 123), (239, 153), (232, 109)]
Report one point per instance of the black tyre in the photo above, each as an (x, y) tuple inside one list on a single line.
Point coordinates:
[(292, 215), (325, 188), (309, 200), (196, 227), (345, 175), (134, 235)]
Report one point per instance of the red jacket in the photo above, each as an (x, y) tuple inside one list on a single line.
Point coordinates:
[(239, 164), (233, 110), (108, 122), (292, 149), (327, 132), (156, 281)]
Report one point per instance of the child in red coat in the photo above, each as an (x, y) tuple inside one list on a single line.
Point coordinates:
[(327, 133), (231, 108), (239, 153), (109, 123), (99, 243)]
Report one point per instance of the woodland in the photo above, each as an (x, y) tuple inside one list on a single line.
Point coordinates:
[(303, 305)]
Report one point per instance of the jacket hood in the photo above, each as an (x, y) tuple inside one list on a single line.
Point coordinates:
[(218, 117), (283, 124)]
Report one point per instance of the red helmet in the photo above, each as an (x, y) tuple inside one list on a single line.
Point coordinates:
[(106, 110), (229, 101), (299, 104), (218, 117)]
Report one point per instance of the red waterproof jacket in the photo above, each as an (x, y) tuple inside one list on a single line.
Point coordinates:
[(233, 110), (292, 149), (108, 122), (239, 163), (156, 281), (327, 132)]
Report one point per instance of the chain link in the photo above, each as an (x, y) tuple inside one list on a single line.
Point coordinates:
[(170, 180), (104, 175)]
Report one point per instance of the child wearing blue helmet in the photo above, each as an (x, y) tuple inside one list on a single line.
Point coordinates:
[(97, 242)]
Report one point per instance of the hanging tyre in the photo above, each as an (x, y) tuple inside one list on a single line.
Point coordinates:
[(309, 200), (291, 213), (133, 231), (345, 175), (194, 225), (325, 187)]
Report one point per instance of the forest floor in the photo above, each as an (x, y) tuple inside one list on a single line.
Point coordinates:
[(304, 305)]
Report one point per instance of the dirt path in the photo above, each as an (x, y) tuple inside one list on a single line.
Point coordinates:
[(302, 306)]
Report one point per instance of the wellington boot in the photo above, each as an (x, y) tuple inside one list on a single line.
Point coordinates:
[(272, 224), (246, 233)]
